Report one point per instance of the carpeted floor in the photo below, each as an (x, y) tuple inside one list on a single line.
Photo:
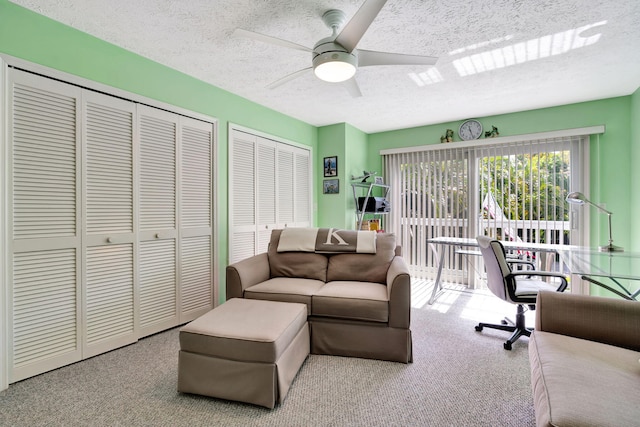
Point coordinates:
[(459, 378)]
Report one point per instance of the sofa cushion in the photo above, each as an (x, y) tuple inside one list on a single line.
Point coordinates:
[(580, 382), (364, 267), (352, 300), (306, 265), (285, 289)]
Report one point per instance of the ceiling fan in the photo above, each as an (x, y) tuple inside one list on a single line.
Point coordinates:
[(335, 58)]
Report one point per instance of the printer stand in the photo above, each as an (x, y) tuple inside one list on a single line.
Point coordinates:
[(366, 190)]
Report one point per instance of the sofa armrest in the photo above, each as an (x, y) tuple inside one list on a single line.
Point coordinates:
[(606, 320), (399, 291), (245, 273)]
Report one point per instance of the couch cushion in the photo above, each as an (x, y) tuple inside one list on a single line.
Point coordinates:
[(352, 300), (580, 382), (286, 289), (307, 265), (364, 267), (244, 330)]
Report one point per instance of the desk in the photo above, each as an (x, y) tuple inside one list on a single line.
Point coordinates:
[(462, 242), (593, 266), (590, 264)]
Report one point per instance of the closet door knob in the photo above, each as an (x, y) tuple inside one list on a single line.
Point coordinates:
[(157, 235), (109, 240)]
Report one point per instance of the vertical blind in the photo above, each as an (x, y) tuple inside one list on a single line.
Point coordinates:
[(510, 190)]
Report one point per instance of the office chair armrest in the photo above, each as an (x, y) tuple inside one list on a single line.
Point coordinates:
[(563, 284), (521, 261)]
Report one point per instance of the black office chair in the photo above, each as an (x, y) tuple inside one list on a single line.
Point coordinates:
[(517, 287)]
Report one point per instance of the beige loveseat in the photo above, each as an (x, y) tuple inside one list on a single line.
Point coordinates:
[(585, 367), (358, 304)]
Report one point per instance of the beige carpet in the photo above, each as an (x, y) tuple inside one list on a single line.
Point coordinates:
[(459, 378)]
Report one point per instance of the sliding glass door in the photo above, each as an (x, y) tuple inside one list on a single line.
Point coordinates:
[(510, 190)]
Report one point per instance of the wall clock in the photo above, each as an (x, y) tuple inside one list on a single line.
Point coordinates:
[(470, 129)]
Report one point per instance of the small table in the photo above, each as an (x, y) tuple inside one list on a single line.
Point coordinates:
[(593, 266)]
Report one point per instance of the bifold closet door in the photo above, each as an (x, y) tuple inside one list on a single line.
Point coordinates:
[(266, 193), (302, 187), (196, 289), (253, 194), (294, 186), (110, 249), (285, 171), (44, 213), (110, 213), (158, 230), (269, 187), (242, 195)]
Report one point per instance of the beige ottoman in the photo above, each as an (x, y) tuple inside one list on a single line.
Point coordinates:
[(245, 350)]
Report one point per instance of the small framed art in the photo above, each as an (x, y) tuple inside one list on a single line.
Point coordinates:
[(330, 186), (331, 166)]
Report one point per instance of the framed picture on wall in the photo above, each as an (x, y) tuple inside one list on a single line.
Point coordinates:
[(331, 186), (331, 166)]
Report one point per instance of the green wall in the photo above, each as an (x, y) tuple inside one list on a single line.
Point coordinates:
[(331, 207), (350, 145), (35, 38), (356, 155)]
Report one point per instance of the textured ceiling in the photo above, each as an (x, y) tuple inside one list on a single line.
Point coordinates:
[(496, 56)]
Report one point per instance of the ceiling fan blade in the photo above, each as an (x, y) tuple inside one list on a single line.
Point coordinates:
[(352, 87), (289, 77), (371, 57), (239, 32), (358, 25)]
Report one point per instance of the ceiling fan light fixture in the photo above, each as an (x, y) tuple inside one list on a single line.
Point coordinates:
[(334, 67)]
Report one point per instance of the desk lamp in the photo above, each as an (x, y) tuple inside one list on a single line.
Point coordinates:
[(578, 198)]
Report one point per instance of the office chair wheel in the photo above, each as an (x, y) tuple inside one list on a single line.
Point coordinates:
[(478, 328), (507, 345)]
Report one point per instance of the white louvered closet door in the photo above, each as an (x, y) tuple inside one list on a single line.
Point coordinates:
[(285, 185), (265, 192), (302, 188), (110, 292), (196, 290), (44, 193), (158, 233), (269, 187), (242, 196)]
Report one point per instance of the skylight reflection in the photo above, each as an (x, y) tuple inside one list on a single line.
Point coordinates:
[(431, 76), (530, 50)]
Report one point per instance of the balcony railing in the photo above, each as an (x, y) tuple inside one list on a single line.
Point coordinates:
[(422, 257)]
